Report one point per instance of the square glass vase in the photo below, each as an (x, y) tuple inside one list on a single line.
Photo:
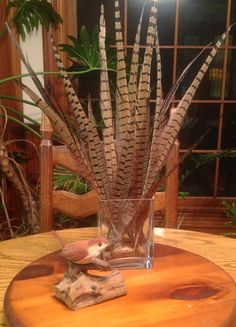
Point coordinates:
[(128, 226)]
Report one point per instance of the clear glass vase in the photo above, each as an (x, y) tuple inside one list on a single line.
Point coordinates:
[(128, 226)]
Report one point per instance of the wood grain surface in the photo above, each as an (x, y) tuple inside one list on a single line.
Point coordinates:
[(183, 289), (161, 282)]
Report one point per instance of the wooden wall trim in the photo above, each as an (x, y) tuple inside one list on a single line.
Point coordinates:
[(68, 12), (9, 66)]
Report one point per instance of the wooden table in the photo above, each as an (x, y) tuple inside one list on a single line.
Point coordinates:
[(16, 254)]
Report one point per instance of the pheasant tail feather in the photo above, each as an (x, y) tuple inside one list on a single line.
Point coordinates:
[(106, 105), (170, 132)]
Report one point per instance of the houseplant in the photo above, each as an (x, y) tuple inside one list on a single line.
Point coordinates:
[(24, 17), (230, 212)]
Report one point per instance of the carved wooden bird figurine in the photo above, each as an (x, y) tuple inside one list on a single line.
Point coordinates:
[(82, 252)]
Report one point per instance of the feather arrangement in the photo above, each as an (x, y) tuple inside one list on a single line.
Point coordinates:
[(125, 162)]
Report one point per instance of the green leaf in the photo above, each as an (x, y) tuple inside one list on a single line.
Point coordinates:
[(71, 51), (26, 126), (230, 234), (69, 181), (205, 160), (183, 194), (85, 42), (84, 52), (230, 212), (30, 13)]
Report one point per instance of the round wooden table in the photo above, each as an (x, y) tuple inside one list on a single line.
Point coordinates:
[(17, 253)]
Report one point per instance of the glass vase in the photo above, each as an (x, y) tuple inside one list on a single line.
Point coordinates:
[(128, 226)]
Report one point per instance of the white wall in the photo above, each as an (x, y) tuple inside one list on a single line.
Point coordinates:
[(33, 49)]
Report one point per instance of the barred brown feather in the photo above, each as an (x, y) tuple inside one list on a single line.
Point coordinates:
[(61, 128), (97, 158), (122, 97), (18, 181), (170, 132), (133, 80), (106, 105), (74, 101), (142, 110)]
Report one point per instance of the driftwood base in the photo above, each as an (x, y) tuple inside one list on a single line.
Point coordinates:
[(88, 289)]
